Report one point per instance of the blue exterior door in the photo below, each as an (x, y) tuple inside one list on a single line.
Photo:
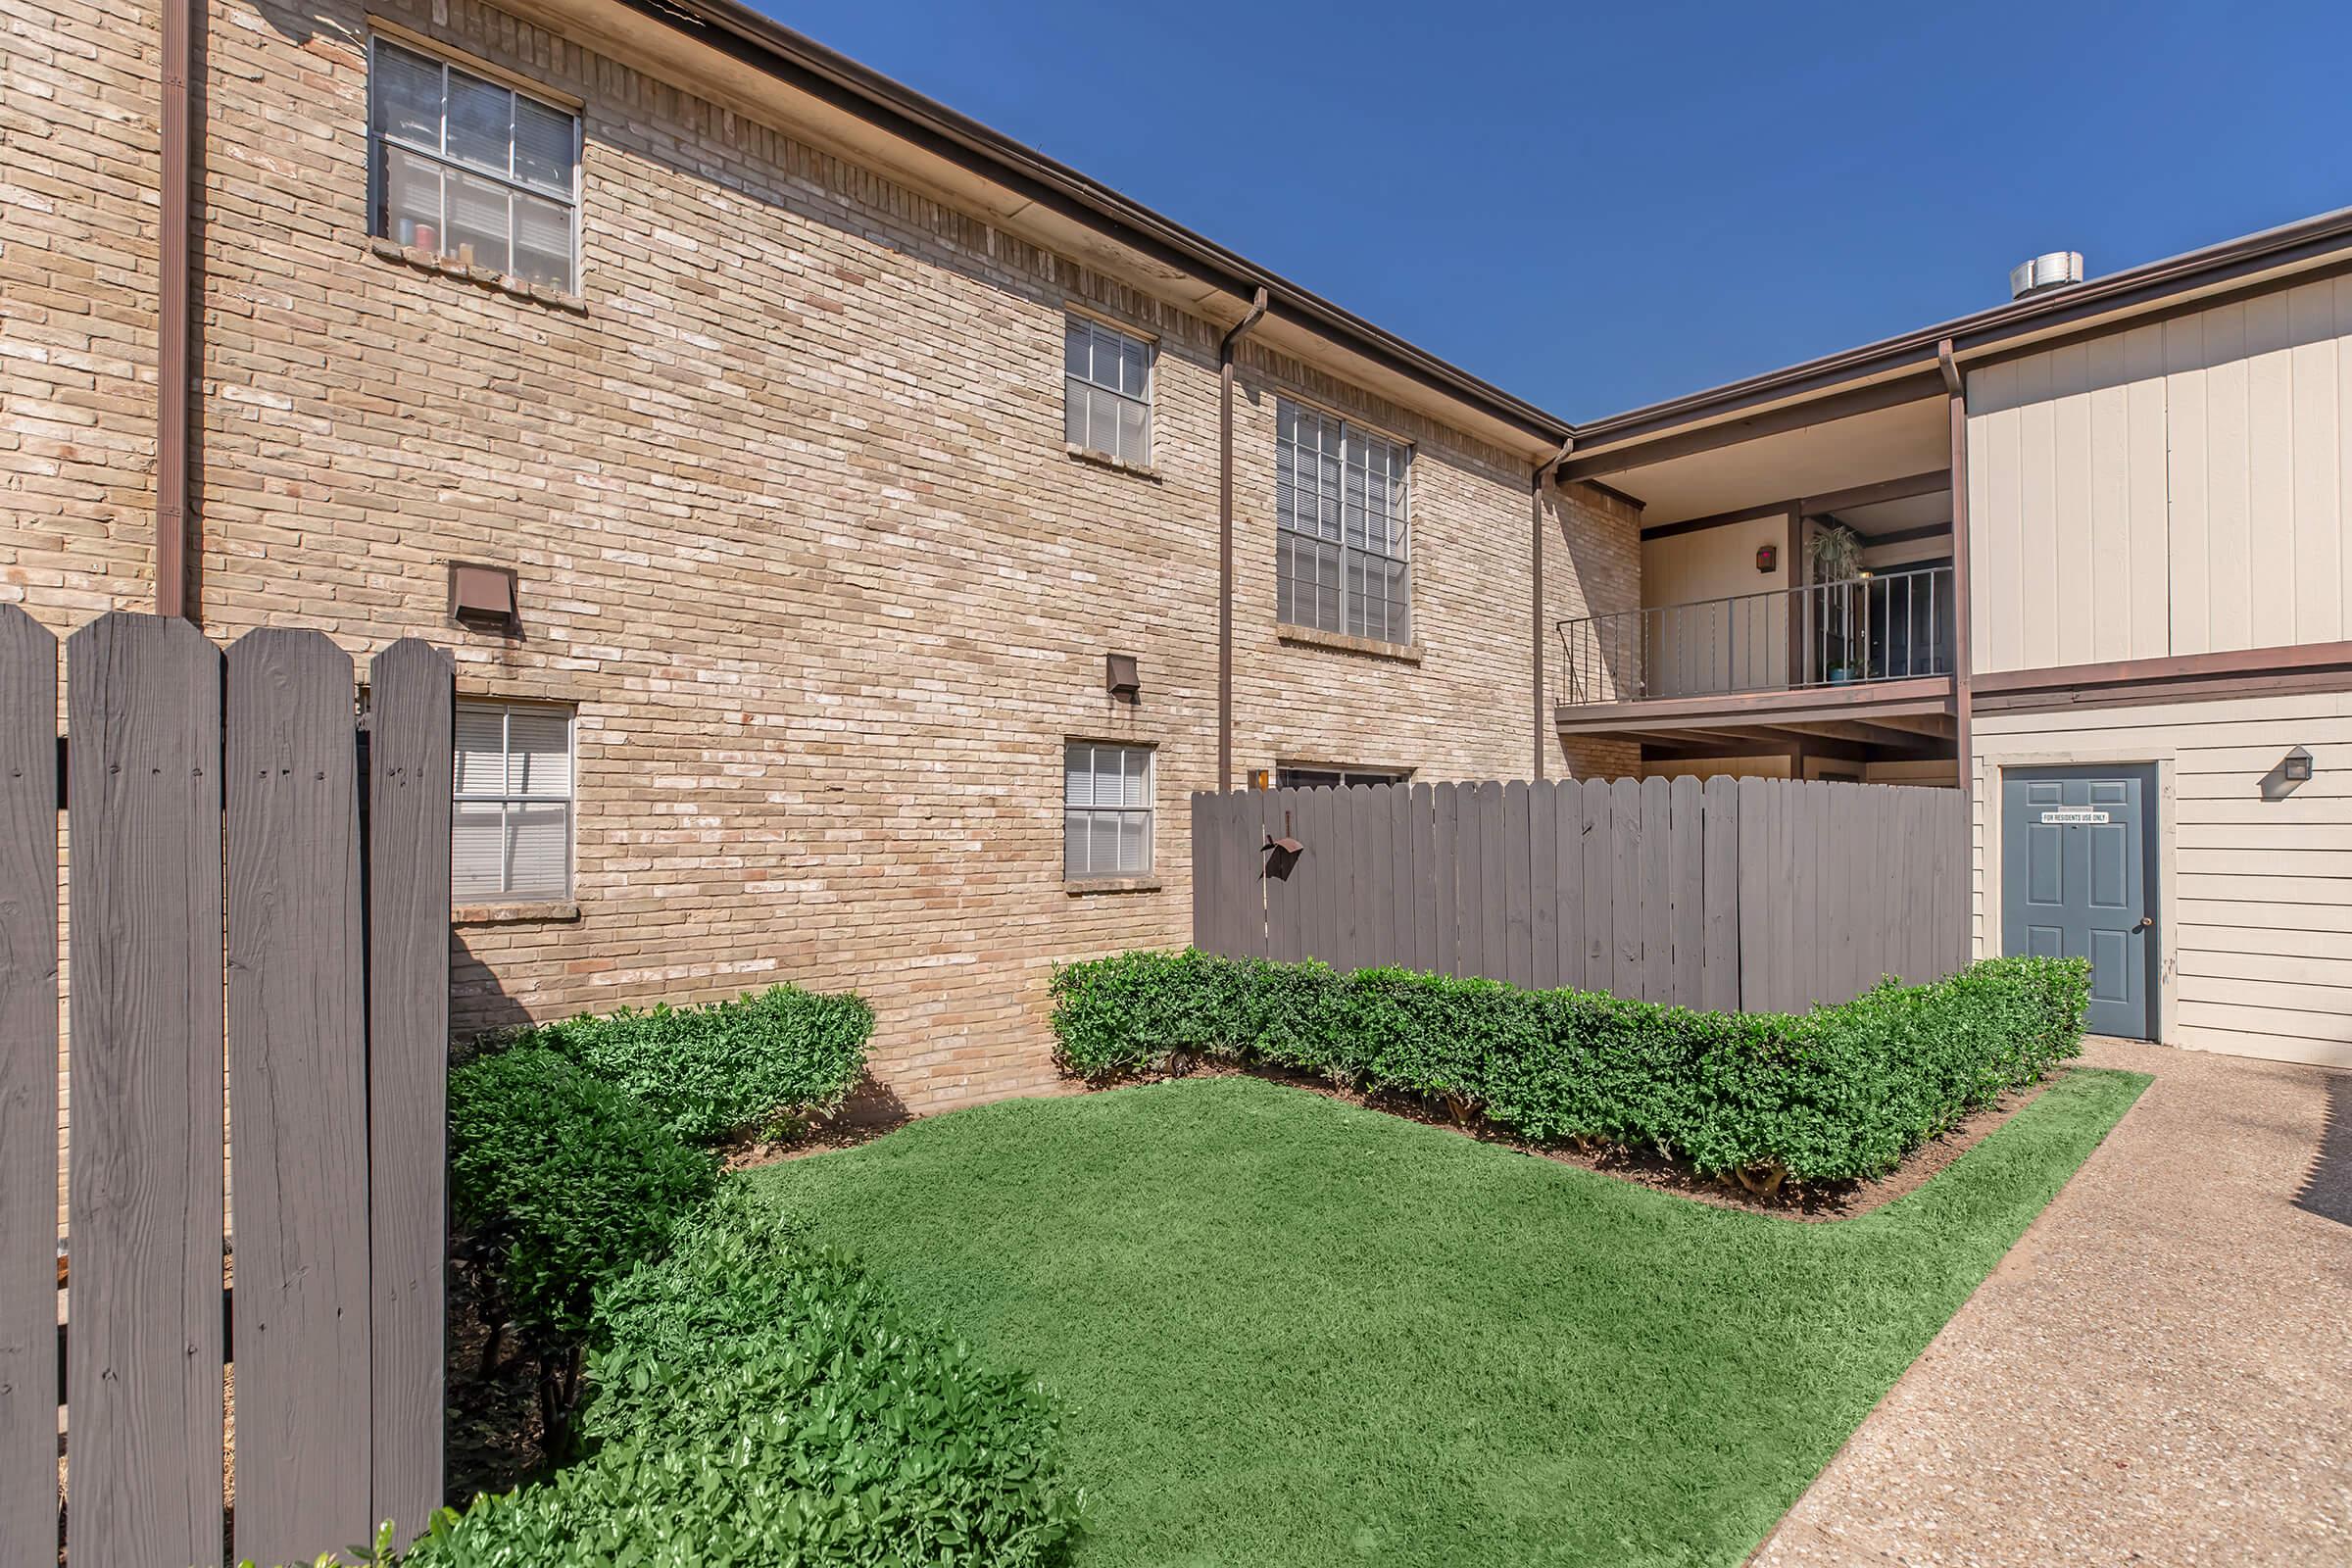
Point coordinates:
[(2078, 852)]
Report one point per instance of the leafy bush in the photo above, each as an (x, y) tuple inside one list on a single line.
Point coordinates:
[(1839, 1093), (710, 1069), (760, 1400), (563, 1183)]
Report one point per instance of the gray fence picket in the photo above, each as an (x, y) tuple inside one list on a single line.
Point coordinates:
[(1543, 885), (1657, 892), (1421, 830), (28, 1092), (1212, 832), (1514, 847), (409, 765), (1720, 983), (1629, 846), (1446, 844), (145, 1171), (1686, 871), (297, 1073), (1568, 878), (1285, 925), (1598, 807), (1762, 898)]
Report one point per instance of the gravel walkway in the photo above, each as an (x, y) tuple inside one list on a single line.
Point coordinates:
[(2160, 1373)]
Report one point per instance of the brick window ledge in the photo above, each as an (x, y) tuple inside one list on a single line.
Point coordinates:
[(1106, 460), (425, 261), (517, 912), (1075, 885), (1340, 642)]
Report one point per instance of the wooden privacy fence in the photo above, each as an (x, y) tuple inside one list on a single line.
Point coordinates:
[(241, 884), (1751, 895)]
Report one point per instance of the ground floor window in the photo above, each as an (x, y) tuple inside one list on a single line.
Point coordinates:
[(510, 829), (1106, 810), (1325, 779)]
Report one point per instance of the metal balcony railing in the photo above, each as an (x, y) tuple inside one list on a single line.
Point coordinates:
[(1887, 626)]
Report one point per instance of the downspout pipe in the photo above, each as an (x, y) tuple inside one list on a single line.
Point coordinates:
[(1225, 351), (1547, 475), (1955, 386), (171, 318)]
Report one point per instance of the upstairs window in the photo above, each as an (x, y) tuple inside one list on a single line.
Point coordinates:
[(1340, 515), (472, 170), (1106, 389), (510, 829)]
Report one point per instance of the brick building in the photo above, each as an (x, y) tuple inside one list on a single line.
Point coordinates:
[(802, 454)]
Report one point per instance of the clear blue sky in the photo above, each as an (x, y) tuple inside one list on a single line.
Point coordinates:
[(1597, 207)]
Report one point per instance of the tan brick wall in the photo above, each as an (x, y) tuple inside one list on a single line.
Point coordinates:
[(796, 531)]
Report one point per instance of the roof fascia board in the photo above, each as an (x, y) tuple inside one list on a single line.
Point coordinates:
[(1040, 187)]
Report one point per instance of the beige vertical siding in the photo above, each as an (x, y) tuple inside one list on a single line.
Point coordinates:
[(2254, 894), (1738, 644), (2169, 490)]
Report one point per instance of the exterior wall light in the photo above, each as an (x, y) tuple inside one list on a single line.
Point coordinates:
[(2295, 766), (1768, 557)]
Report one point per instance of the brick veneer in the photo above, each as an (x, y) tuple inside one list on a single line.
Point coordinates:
[(789, 500)]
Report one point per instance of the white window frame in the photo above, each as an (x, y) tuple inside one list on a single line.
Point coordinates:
[(1075, 323), (506, 800), (1149, 811), (1351, 434), (378, 139)]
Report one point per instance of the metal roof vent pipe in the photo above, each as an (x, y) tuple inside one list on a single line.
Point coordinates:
[(2049, 270)]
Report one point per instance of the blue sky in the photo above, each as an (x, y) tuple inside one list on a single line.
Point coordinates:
[(1597, 207)]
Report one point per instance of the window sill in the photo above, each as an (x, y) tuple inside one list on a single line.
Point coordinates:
[(425, 261), (1105, 460), (1340, 642), (542, 911), (1076, 884)]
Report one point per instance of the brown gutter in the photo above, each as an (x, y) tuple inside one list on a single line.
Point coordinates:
[(1546, 473), (171, 324), (837, 80), (1963, 695), (1225, 351)]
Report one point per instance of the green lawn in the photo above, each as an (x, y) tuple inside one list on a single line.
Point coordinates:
[(1285, 1331)]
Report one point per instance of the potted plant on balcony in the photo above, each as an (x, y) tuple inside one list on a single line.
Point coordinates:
[(1833, 554)]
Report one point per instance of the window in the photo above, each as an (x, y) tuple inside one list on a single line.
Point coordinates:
[(473, 172), (1107, 391), (510, 833), (1341, 505), (1319, 778), (1106, 810)]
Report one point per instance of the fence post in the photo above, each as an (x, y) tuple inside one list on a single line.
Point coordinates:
[(144, 1174), (298, 1051), (413, 709), (28, 1092)]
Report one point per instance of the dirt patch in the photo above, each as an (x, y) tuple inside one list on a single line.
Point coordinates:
[(493, 1440), (822, 1138)]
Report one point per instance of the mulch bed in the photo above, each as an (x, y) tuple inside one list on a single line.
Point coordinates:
[(1796, 1201)]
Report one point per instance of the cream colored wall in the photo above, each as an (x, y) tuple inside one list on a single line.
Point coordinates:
[(1943, 771), (2174, 489), (2254, 895), (1714, 648), (1729, 766)]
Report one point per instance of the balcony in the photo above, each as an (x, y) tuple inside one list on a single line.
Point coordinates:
[(1868, 658)]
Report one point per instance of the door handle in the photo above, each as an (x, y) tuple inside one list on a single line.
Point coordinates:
[(2145, 923)]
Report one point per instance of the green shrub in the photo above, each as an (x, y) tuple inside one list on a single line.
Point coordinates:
[(564, 1183), (758, 1400), (712, 1069), (1839, 1093)]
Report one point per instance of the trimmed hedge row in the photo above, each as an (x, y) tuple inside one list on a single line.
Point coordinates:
[(1842, 1092), (716, 1069), (760, 1400)]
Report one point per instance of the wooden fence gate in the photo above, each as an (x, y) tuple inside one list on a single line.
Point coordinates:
[(248, 878), (1749, 895)]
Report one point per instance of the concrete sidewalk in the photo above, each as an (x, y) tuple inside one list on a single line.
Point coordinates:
[(2160, 1373)]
